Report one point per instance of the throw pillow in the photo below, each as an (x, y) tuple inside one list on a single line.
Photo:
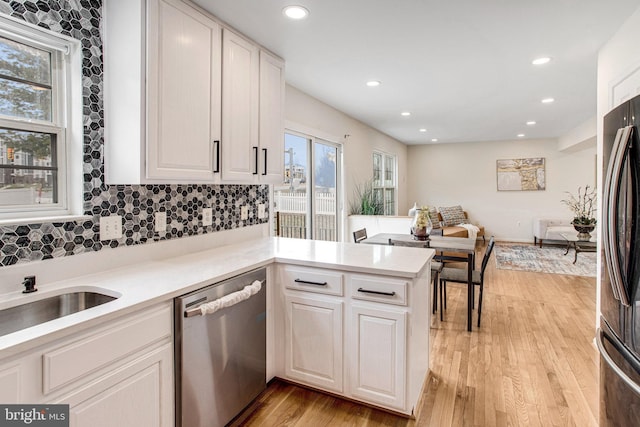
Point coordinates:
[(433, 215), (452, 215)]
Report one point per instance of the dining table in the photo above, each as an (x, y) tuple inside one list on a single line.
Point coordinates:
[(460, 249)]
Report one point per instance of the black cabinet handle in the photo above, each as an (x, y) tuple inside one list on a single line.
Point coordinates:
[(255, 159), (306, 282), (367, 291), (217, 150), (264, 172)]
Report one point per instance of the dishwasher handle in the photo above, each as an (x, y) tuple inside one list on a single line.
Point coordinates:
[(226, 301)]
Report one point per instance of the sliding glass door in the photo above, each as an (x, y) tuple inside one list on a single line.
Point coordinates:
[(307, 203)]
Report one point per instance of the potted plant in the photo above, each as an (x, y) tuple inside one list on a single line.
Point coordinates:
[(366, 201), (583, 207)]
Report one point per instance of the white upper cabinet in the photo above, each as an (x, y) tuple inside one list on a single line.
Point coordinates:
[(240, 81), (183, 92), (187, 101), (272, 88), (252, 113)]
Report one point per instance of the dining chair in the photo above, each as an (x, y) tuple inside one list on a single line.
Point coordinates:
[(436, 267), (460, 275), (359, 235)]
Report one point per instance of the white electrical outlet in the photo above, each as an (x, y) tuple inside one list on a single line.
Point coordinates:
[(110, 227), (244, 212), (262, 212), (207, 216), (161, 221)]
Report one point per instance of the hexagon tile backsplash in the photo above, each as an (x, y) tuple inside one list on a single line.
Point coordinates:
[(135, 203)]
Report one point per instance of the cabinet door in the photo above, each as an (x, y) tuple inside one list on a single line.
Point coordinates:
[(140, 394), (271, 119), (10, 384), (240, 82), (377, 371), (313, 340), (183, 93)]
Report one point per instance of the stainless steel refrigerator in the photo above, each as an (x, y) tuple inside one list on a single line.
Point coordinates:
[(618, 338)]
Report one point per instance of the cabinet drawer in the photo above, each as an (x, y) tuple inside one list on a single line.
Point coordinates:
[(378, 289), (312, 280), (89, 353)]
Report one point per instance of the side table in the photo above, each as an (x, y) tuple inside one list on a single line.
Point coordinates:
[(579, 245)]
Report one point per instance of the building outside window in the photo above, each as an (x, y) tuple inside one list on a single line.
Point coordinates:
[(384, 181), (35, 96)]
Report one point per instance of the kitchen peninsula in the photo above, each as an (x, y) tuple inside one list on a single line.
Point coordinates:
[(363, 336)]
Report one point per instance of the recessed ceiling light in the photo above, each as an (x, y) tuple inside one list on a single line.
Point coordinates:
[(531, 123), (423, 130), (405, 113), (434, 140), (373, 83), (548, 100), (295, 12), (521, 135), (541, 61)]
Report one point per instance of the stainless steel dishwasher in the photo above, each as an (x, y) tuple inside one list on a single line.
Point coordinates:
[(220, 357)]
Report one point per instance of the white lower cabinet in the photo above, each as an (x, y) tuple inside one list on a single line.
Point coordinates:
[(313, 340), (375, 327), (377, 356), (137, 394), (118, 373), (10, 386)]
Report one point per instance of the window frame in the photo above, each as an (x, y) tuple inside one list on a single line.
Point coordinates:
[(65, 124), (382, 183)]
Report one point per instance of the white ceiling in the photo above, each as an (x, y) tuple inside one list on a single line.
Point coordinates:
[(461, 67)]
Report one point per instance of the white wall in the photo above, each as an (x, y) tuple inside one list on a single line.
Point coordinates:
[(579, 138), (312, 115), (465, 174)]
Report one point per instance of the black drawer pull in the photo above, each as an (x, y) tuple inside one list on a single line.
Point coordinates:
[(367, 291), (217, 145), (264, 172), (306, 282), (255, 157)]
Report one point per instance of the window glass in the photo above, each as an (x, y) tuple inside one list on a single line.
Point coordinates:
[(377, 170), (389, 171), (25, 81), (28, 170), (384, 181), (389, 201)]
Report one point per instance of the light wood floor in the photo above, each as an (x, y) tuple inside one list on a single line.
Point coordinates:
[(532, 363)]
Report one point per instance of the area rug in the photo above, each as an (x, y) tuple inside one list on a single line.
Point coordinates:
[(547, 259)]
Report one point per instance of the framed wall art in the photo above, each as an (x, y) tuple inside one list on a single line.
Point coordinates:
[(521, 174)]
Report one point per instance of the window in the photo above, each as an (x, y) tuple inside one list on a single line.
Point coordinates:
[(36, 79), (384, 181), (307, 203)]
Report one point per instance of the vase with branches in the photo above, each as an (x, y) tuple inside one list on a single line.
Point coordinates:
[(583, 206)]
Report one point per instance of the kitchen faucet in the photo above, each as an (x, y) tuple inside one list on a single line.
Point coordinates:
[(29, 284)]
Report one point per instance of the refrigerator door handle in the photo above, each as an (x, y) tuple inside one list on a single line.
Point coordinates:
[(612, 364), (612, 182)]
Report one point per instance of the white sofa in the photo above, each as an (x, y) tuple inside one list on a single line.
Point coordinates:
[(550, 229)]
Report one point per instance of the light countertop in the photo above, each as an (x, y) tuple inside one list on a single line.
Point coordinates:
[(142, 285)]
